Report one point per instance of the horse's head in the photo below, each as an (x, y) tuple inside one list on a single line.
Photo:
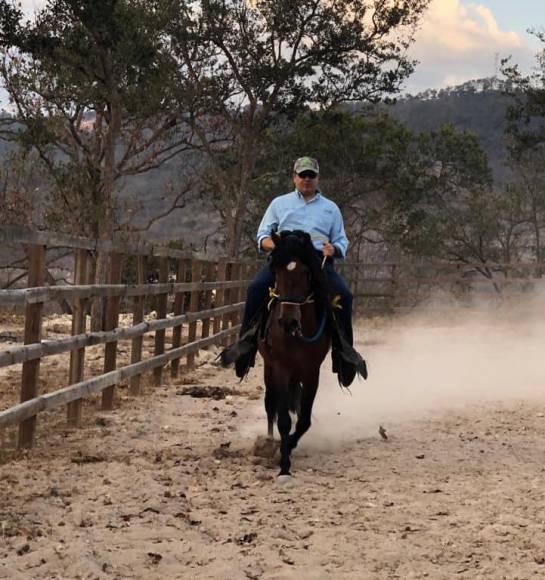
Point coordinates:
[(299, 277)]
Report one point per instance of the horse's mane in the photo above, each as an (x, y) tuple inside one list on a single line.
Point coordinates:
[(298, 244)]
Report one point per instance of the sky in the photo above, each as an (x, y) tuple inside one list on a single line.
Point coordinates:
[(461, 40)]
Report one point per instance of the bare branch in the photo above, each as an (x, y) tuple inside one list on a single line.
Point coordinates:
[(177, 203)]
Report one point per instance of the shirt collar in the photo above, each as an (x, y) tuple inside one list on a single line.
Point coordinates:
[(299, 195)]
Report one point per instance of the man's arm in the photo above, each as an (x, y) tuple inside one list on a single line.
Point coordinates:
[(268, 224), (338, 236), (331, 251)]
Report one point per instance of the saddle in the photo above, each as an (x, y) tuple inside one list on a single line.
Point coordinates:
[(347, 362)]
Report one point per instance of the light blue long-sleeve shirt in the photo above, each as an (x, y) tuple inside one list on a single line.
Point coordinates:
[(320, 217)]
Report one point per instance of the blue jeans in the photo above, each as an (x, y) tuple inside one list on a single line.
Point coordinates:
[(258, 292)]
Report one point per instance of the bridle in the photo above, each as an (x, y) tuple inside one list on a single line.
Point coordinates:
[(290, 300), (298, 301)]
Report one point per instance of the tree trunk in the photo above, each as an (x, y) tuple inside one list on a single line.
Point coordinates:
[(538, 250), (236, 222), (107, 218)]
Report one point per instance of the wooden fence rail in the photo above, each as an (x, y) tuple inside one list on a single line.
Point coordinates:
[(59, 293), (29, 409), (189, 289), (24, 353)]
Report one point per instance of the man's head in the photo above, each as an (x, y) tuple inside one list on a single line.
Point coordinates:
[(306, 175)]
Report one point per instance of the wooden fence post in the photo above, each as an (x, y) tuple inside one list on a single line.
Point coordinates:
[(179, 306), (209, 275), (395, 286), (193, 307), (237, 274), (161, 313), (246, 274), (33, 333), (135, 383), (111, 322), (220, 295), (227, 294), (77, 357)]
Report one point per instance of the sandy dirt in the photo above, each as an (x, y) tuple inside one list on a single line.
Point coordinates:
[(167, 486)]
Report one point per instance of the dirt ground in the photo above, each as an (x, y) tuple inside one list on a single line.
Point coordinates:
[(166, 486)]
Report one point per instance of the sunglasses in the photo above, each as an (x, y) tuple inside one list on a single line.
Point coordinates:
[(309, 174)]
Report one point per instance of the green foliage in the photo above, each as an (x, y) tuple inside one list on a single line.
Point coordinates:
[(358, 155), (526, 127), (93, 86), (10, 17), (526, 137), (428, 193), (251, 65), (20, 182), (78, 51), (289, 53), (440, 208)]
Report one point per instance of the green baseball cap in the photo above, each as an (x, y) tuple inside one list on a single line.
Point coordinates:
[(306, 164)]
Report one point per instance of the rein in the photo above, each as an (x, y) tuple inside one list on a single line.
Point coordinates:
[(291, 300), (319, 332)]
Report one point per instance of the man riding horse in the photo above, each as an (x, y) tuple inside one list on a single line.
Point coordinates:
[(304, 209)]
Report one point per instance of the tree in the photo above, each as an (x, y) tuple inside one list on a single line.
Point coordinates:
[(526, 140), (528, 185), (92, 87), (527, 114), (250, 65), (446, 206), (359, 155), (427, 194), (20, 192)]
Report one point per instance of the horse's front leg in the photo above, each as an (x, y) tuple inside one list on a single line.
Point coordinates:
[(281, 387), (270, 400), (284, 428), (310, 387)]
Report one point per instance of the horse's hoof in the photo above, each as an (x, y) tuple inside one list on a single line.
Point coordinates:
[(283, 479)]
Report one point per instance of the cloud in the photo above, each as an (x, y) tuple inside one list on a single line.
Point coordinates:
[(458, 42)]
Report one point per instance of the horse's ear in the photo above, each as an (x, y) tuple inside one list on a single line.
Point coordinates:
[(275, 238), (307, 238)]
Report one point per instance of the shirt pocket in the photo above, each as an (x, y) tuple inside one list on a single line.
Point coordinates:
[(325, 220)]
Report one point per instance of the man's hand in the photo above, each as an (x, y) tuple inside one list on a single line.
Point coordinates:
[(267, 244), (328, 249)]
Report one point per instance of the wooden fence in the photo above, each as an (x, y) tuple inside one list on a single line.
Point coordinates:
[(397, 287), (186, 289)]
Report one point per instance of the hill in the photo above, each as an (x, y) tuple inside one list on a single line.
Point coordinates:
[(479, 106)]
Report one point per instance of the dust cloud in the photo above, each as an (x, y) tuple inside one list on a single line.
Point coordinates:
[(430, 361), (433, 361)]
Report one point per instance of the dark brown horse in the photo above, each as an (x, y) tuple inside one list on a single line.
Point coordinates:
[(296, 340)]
